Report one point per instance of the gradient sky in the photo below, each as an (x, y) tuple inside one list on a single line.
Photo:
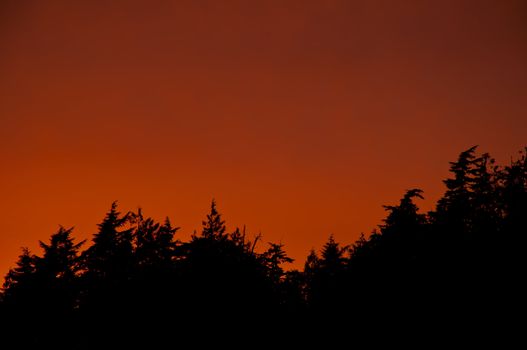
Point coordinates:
[(300, 117)]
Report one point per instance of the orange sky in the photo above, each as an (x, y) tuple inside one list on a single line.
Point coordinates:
[(300, 117)]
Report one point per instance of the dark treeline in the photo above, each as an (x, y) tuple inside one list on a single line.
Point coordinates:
[(459, 266)]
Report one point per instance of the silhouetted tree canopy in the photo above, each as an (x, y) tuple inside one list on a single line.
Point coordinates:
[(138, 284), (214, 226), (17, 287)]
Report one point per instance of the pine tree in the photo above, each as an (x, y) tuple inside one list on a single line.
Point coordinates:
[(61, 256), (166, 244), (57, 287), (486, 212), (404, 216), (312, 263), (111, 254), (273, 259), (19, 280), (325, 275), (21, 303), (154, 243), (454, 208), (44, 289), (333, 255), (144, 234), (214, 226)]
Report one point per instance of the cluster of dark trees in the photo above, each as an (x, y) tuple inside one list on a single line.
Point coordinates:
[(462, 265)]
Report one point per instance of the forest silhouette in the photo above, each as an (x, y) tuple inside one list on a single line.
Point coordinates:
[(434, 274)]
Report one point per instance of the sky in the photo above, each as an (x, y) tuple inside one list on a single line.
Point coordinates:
[(301, 118)]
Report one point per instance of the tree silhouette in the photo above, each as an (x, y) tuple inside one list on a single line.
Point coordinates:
[(20, 302), (332, 256), (326, 274), (136, 285), (107, 292), (155, 246), (455, 206), (110, 255), (45, 289), (214, 226), (273, 259), (61, 257), (57, 274), (17, 287)]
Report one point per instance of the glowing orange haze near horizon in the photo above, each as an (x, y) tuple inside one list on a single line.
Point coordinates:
[(302, 118)]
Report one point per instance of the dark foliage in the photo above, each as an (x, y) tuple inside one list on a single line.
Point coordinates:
[(437, 275)]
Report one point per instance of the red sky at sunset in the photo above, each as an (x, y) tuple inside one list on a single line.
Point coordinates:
[(302, 118)]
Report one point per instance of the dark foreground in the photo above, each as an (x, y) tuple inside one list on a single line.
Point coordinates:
[(454, 274)]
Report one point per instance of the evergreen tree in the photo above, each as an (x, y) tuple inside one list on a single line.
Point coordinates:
[(325, 279), (145, 244), (311, 267), (333, 256), (108, 292), (401, 235), (57, 273), (273, 259), (454, 208), (20, 279), (404, 216), (214, 226), (111, 254), (166, 244), (486, 214), (154, 243), (20, 303), (44, 289), (61, 257)]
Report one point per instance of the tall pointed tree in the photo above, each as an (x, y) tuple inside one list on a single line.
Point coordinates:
[(111, 254), (333, 256), (456, 204), (166, 244), (20, 304), (19, 280), (214, 226)]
